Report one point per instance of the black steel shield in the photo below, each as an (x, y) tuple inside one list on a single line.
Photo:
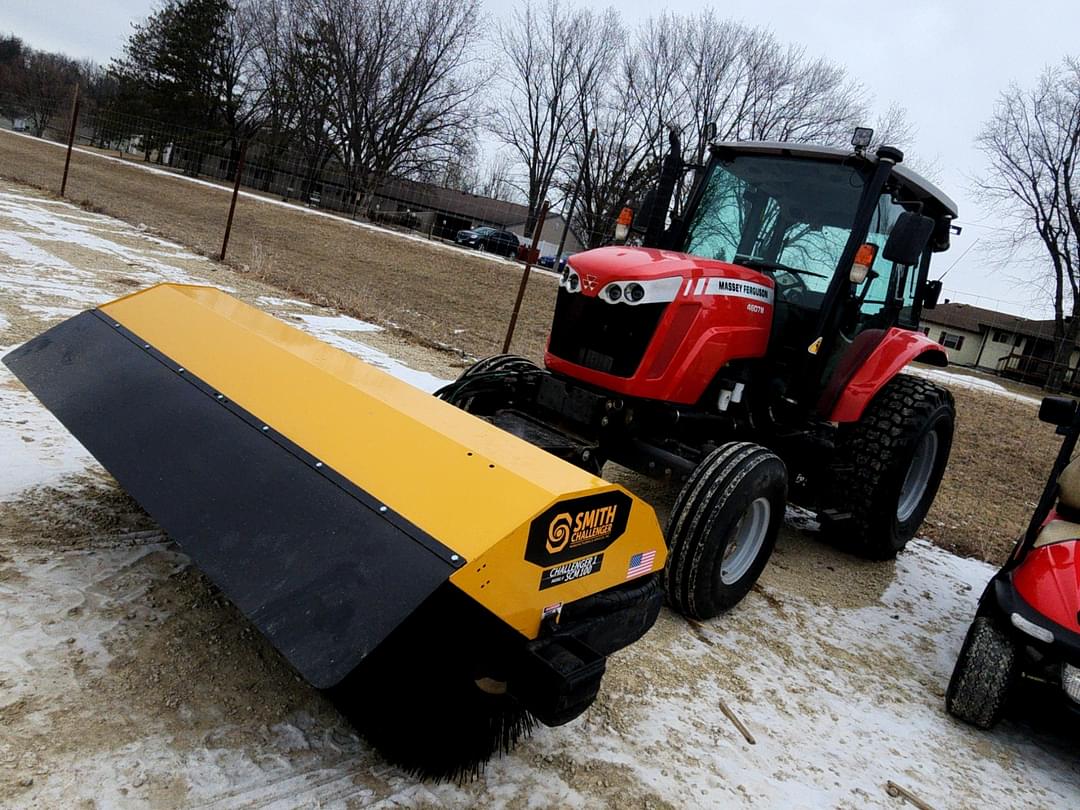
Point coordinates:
[(324, 570)]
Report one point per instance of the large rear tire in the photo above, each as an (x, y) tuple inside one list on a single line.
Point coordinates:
[(891, 464), (983, 676), (498, 362), (488, 384), (723, 528)]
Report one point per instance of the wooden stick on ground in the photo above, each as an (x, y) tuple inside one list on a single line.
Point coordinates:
[(894, 789), (701, 633), (737, 722)]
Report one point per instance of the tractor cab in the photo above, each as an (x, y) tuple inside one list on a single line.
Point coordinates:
[(845, 237)]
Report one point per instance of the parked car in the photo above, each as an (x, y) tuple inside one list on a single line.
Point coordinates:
[(490, 239), (549, 262)]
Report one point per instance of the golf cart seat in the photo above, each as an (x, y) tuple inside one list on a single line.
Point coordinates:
[(1069, 487), (1057, 531), (1068, 506)]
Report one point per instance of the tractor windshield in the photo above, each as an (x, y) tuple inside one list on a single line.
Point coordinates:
[(789, 216)]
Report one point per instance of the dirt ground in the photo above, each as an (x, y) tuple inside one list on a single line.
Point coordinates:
[(127, 680), (446, 298)]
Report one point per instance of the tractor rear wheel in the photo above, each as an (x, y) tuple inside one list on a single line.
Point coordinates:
[(891, 464), (983, 676), (723, 528), (498, 362), (488, 384)]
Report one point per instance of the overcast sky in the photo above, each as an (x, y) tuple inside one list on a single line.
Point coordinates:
[(944, 60)]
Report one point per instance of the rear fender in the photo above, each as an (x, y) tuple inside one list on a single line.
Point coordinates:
[(898, 348)]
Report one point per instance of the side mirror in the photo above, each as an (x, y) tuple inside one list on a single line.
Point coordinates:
[(931, 294), (908, 238), (1060, 411)]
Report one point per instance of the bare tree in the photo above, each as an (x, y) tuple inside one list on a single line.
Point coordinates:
[(40, 86), (238, 93), (494, 178), (397, 79), (1033, 144), (651, 68), (689, 73), (536, 115)]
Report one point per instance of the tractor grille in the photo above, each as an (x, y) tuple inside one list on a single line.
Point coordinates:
[(606, 337)]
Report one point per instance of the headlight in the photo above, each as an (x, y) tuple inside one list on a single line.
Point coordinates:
[(1070, 681), (1032, 629), (569, 280), (653, 291)]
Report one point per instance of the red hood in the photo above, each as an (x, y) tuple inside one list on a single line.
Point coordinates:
[(1049, 580), (624, 263)]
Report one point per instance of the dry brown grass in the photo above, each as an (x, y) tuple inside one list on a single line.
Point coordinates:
[(444, 297), (1000, 459), (441, 298)]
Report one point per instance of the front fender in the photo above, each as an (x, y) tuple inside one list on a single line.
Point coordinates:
[(898, 348)]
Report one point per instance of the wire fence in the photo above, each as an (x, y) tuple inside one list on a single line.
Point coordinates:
[(978, 335), (303, 172)]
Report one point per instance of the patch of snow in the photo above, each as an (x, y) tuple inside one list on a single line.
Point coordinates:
[(284, 303), (35, 448), (66, 227), (318, 324), (968, 381)]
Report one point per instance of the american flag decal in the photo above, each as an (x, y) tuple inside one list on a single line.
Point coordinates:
[(641, 564)]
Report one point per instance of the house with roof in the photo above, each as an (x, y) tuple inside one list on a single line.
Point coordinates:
[(1018, 348), (445, 211)]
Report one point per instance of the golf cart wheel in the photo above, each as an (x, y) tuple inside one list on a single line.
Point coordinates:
[(983, 675), (723, 528), (891, 465)]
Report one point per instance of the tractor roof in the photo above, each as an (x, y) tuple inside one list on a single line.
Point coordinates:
[(920, 185)]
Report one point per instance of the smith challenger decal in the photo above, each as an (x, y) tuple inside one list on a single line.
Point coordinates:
[(574, 528), (568, 572), (734, 288)]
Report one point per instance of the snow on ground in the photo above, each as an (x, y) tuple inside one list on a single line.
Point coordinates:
[(33, 451), (969, 381), (837, 666)]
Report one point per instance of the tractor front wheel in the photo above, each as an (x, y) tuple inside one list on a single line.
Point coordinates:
[(890, 466), (723, 528), (983, 675)]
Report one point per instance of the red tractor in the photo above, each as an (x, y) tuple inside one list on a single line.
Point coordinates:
[(752, 348)]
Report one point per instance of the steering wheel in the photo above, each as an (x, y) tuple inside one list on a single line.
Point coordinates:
[(790, 287), (789, 282)]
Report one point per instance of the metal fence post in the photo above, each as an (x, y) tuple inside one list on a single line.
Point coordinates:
[(235, 193), (525, 276), (71, 138)]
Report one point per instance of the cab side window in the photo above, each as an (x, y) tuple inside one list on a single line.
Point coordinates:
[(886, 279)]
